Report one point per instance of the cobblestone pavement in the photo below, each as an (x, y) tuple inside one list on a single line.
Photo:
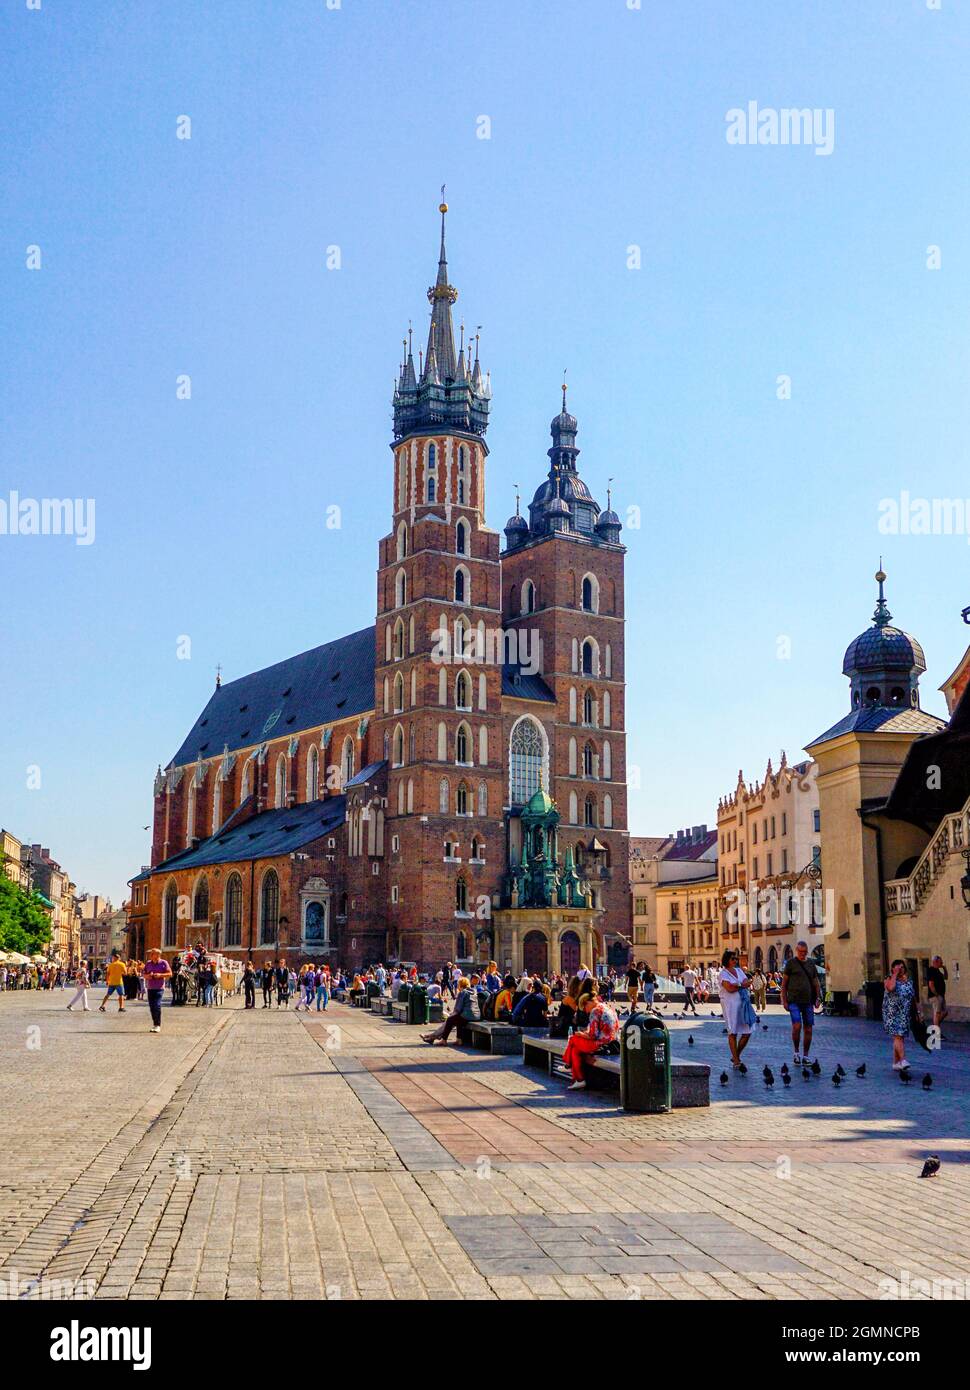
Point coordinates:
[(333, 1156)]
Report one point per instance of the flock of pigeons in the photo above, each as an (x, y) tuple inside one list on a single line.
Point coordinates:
[(932, 1164)]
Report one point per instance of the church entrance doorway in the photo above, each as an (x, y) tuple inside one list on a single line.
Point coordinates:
[(569, 954), (535, 953)]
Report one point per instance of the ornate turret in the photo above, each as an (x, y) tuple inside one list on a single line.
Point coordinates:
[(563, 502), (608, 525), (445, 393), (516, 528), (884, 663)]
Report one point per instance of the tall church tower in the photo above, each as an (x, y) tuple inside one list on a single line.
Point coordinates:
[(562, 579), (437, 703)]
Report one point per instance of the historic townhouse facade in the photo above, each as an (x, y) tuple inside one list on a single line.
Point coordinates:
[(449, 783)]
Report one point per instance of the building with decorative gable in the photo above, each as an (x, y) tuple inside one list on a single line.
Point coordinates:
[(450, 783)]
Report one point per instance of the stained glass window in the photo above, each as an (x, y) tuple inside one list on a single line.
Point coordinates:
[(525, 761)]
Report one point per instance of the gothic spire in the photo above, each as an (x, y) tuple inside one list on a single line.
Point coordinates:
[(441, 296), (882, 616)]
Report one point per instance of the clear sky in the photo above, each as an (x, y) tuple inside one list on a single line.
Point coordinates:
[(314, 127)]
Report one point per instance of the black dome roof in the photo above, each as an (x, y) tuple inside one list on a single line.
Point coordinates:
[(880, 647)]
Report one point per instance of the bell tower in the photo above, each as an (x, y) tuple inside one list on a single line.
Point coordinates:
[(437, 696)]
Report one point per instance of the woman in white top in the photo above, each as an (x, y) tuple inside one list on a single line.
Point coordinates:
[(731, 982)]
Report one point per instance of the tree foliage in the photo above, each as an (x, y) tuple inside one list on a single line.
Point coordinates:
[(25, 924)]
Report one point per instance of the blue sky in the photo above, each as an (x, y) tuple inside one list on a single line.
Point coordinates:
[(314, 127)]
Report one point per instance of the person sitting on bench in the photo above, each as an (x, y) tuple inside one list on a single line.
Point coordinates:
[(602, 1026), (531, 1010)]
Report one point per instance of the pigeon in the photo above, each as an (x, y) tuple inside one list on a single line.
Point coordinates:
[(905, 1076), (806, 1074), (931, 1167), (724, 1078), (836, 1079), (816, 1068), (690, 1040), (765, 1027), (784, 1068), (786, 1079), (861, 1071), (840, 1068), (766, 1070), (769, 1078), (723, 1030), (927, 1082)]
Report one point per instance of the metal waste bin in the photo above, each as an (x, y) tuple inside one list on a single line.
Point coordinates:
[(418, 1004), (875, 989), (645, 1064), (402, 994)]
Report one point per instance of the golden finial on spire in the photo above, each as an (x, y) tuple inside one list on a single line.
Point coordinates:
[(442, 206)]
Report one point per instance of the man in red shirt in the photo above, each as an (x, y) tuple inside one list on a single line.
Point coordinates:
[(157, 971), (603, 1026)]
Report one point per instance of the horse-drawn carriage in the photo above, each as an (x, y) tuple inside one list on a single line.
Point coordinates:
[(192, 967)]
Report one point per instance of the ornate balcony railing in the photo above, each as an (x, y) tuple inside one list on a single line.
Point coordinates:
[(909, 894)]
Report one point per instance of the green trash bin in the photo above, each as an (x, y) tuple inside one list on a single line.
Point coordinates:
[(418, 1004), (402, 994), (645, 1064)]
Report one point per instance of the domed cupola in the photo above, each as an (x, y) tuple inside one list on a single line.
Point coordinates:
[(884, 663), (563, 501), (608, 525), (516, 528)]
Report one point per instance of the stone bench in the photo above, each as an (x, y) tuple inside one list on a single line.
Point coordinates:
[(399, 1012), (690, 1082), (376, 1004), (359, 1000), (503, 1038)]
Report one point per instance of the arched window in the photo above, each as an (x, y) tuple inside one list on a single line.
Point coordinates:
[(247, 787), (572, 757), (200, 901), (281, 782), (402, 540), (444, 792), (591, 593), (482, 799), (462, 585), (398, 639), (432, 481), (410, 743), (482, 746), (590, 660), (589, 761), (410, 795), (217, 804), (387, 696), (347, 761), (478, 848), (589, 811), (400, 798), (607, 762), (573, 808), (607, 811), (759, 956), (398, 747), (442, 743), (233, 910), (463, 744), (589, 707), (572, 704), (527, 749), (170, 916), (398, 693), (463, 691), (482, 692), (461, 800), (190, 817), (269, 908), (607, 714), (461, 537), (528, 597), (400, 589), (461, 895)]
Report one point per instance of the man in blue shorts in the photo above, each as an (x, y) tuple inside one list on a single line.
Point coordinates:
[(800, 993)]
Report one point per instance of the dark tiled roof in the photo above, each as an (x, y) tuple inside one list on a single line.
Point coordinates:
[(260, 837), (883, 720), (517, 683), (366, 774), (692, 849), (320, 686)]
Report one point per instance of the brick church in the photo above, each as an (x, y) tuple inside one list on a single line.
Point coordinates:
[(448, 784)]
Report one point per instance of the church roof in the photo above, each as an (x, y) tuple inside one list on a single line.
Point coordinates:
[(335, 681), (523, 686), (265, 835)]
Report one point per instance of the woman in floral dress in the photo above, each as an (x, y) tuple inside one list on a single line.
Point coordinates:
[(897, 1002)]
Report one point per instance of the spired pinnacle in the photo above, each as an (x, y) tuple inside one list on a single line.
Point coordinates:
[(882, 616), (448, 390)]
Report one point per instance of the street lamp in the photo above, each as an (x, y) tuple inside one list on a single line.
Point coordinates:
[(965, 880)]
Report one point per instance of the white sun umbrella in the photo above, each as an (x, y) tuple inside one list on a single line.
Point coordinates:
[(15, 958)]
